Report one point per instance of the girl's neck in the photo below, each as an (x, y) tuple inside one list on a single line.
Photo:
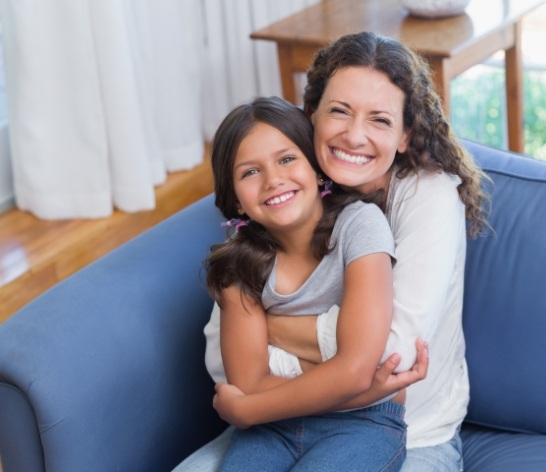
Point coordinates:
[(295, 241), (296, 238)]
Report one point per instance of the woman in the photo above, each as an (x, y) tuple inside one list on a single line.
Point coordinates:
[(380, 128)]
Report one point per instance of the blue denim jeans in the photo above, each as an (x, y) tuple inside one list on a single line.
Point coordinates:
[(368, 439), (446, 457)]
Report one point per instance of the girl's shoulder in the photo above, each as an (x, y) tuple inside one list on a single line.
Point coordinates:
[(359, 208), (358, 216)]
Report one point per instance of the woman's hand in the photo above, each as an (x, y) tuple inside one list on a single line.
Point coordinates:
[(228, 402)]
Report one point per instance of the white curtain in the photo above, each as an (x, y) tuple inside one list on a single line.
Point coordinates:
[(238, 68), (106, 96)]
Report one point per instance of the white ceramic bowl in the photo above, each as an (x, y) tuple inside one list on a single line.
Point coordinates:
[(435, 8)]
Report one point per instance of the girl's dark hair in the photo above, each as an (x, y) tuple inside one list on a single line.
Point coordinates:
[(247, 257), (431, 143)]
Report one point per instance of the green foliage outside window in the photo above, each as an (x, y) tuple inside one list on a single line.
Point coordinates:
[(478, 108)]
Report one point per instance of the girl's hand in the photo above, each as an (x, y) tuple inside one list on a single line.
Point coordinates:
[(386, 382), (228, 403)]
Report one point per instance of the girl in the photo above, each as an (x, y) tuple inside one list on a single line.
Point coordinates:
[(294, 252)]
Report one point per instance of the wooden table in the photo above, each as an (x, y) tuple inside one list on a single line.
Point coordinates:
[(451, 45)]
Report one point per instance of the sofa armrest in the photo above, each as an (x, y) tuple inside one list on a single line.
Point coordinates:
[(105, 371)]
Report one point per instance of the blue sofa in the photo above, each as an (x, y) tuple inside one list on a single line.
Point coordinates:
[(105, 371)]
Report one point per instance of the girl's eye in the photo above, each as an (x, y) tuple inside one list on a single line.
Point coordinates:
[(287, 159), (249, 172)]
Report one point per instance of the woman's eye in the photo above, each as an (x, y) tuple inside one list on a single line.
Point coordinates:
[(384, 121), (338, 110)]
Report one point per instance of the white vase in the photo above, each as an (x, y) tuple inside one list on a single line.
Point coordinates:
[(435, 8)]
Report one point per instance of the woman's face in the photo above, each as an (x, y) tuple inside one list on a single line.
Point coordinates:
[(359, 128)]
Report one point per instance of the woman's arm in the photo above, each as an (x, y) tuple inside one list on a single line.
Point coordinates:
[(362, 331), (428, 225)]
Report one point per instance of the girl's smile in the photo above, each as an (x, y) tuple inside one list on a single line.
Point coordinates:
[(285, 197)]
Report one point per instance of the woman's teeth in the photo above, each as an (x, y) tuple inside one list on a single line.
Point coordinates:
[(343, 156)]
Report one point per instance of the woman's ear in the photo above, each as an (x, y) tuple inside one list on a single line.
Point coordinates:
[(403, 144)]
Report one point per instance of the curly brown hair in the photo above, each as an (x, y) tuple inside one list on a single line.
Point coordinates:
[(432, 144)]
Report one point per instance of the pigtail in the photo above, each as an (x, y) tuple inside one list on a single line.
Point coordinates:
[(245, 259)]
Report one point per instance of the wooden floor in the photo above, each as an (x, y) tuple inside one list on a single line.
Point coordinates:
[(36, 254)]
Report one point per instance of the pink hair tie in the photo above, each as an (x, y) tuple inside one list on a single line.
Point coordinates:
[(327, 188), (235, 222)]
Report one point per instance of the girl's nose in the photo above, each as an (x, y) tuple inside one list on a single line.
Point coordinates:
[(273, 178)]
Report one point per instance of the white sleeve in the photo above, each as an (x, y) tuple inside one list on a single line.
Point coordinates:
[(428, 224), (326, 333), (213, 354), (281, 363)]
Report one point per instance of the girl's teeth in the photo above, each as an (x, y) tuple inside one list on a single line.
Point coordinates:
[(350, 158), (281, 199)]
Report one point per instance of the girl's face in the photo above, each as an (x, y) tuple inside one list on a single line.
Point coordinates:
[(274, 183), (359, 127)]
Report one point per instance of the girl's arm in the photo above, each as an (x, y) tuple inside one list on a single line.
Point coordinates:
[(362, 331), (386, 382), (243, 343), (295, 334)]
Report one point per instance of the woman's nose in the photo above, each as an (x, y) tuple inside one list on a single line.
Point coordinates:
[(356, 133)]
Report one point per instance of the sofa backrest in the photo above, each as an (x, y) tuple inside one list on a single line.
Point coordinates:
[(505, 297), (106, 370)]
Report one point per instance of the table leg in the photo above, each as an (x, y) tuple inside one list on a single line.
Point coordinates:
[(442, 81), (514, 92), (284, 53)]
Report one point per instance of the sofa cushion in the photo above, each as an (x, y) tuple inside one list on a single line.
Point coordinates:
[(505, 298), (488, 450)]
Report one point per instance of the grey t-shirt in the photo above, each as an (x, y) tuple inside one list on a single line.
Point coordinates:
[(360, 229)]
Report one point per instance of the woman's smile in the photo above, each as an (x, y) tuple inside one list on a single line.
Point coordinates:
[(359, 128), (351, 158)]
